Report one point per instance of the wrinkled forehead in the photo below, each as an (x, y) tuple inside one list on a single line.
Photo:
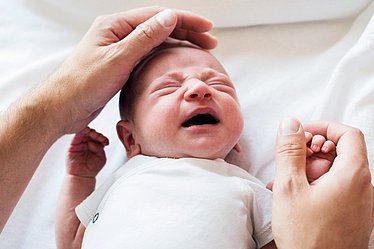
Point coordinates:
[(173, 58)]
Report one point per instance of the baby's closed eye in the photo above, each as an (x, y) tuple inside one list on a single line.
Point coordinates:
[(166, 87), (222, 86)]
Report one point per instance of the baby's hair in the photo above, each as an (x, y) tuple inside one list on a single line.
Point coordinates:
[(131, 89), (128, 97)]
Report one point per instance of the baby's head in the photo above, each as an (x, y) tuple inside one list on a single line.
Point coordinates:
[(179, 102)]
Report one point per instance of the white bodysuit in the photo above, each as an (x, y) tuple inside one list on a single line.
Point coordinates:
[(164, 203)]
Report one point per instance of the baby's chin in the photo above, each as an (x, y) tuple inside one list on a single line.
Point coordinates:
[(201, 155)]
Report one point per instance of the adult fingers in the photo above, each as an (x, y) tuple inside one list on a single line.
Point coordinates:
[(156, 29), (185, 20), (117, 26), (147, 35), (109, 29), (203, 40), (350, 142), (193, 28), (290, 158)]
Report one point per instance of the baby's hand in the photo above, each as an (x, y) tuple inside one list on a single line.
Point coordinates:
[(320, 155), (86, 155)]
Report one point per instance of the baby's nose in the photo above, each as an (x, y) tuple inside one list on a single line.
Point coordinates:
[(197, 90)]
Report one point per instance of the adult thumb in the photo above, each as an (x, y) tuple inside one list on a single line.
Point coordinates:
[(148, 35), (290, 158)]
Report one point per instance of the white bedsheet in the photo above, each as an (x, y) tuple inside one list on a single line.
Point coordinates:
[(313, 59)]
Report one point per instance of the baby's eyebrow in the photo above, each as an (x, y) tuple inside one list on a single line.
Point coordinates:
[(203, 74), (209, 73), (165, 78), (173, 75)]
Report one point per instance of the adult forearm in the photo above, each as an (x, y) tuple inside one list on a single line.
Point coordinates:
[(27, 132)]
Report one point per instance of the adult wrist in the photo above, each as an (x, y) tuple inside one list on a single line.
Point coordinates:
[(44, 111), (56, 101)]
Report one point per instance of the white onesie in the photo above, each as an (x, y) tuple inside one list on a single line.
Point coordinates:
[(177, 203)]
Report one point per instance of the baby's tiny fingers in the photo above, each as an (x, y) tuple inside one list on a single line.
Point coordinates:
[(103, 140), (317, 142), (95, 147), (80, 137), (328, 146), (308, 136), (98, 137)]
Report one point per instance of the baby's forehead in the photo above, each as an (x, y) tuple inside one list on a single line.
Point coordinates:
[(183, 51), (179, 58), (178, 53)]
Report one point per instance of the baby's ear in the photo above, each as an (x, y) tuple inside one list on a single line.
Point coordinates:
[(125, 134)]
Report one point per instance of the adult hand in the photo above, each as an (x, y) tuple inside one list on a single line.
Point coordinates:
[(336, 211), (320, 154), (103, 60)]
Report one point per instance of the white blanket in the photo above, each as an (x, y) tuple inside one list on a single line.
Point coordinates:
[(312, 59)]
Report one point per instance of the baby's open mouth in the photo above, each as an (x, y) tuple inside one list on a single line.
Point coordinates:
[(200, 119)]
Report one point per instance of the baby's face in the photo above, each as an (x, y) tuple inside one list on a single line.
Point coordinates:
[(188, 106)]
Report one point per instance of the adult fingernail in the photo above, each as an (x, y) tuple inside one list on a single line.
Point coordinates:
[(289, 126), (166, 18)]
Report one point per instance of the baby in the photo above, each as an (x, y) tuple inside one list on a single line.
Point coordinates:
[(180, 119)]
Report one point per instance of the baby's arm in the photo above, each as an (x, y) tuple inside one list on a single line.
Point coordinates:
[(86, 157)]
